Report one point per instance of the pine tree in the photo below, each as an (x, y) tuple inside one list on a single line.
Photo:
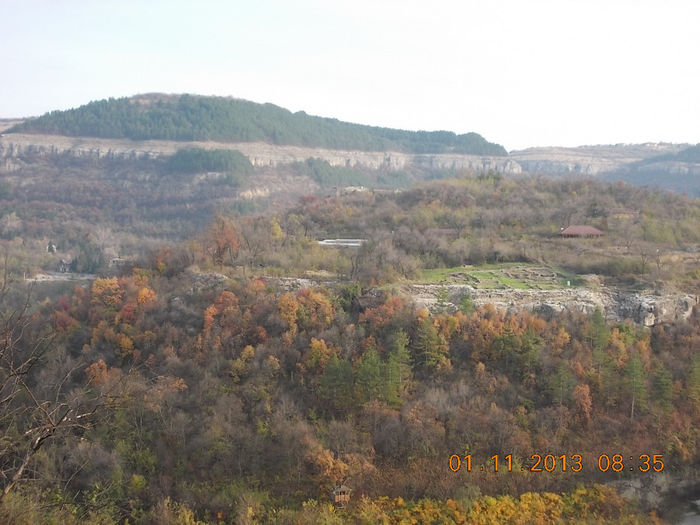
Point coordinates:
[(599, 337), (428, 350), (369, 377), (635, 383), (663, 387), (562, 384), (397, 369), (336, 385)]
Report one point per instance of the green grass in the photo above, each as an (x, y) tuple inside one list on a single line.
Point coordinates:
[(437, 275), (492, 276), (516, 283)]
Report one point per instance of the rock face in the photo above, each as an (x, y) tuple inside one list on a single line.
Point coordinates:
[(260, 154), (588, 160), (651, 309), (584, 160), (662, 490), (636, 164), (639, 164), (646, 309)]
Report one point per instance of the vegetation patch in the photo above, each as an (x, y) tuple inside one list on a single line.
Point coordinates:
[(198, 160), (499, 276), (188, 117)]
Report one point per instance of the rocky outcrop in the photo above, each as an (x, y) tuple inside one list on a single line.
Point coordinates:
[(636, 164), (260, 154), (662, 490), (588, 160), (650, 164), (651, 309), (585, 160), (646, 309)]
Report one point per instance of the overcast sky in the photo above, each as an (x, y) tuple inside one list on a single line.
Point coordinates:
[(519, 72)]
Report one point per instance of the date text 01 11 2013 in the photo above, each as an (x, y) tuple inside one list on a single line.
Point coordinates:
[(560, 463)]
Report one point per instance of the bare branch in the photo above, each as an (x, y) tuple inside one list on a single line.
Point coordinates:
[(34, 408)]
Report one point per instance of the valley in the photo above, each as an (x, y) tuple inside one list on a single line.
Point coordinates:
[(215, 311)]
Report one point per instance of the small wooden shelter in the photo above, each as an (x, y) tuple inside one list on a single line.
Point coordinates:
[(341, 495)]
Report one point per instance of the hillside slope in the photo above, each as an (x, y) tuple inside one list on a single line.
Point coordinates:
[(188, 117)]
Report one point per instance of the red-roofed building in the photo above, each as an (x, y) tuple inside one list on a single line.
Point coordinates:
[(581, 231)]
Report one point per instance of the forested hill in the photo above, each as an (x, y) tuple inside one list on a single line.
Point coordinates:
[(690, 154), (190, 117)]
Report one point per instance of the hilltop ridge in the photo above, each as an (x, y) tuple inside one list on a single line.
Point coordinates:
[(200, 118), (157, 125)]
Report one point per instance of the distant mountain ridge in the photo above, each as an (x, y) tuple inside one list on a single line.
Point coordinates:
[(670, 166), (200, 118), (268, 135)]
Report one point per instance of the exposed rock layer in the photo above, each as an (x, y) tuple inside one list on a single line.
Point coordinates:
[(259, 154), (647, 309), (584, 160)]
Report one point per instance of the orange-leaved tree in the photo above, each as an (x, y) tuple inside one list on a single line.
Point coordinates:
[(221, 240)]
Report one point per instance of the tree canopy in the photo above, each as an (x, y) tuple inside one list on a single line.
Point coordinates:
[(190, 118)]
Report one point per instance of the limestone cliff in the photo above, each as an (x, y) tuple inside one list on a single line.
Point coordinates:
[(637, 164), (645, 308), (260, 154)]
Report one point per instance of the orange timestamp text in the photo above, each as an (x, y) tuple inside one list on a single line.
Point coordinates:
[(559, 463)]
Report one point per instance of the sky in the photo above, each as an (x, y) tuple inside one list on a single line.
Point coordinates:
[(521, 73)]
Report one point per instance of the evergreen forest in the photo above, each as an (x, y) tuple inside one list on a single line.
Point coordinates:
[(198, 118)]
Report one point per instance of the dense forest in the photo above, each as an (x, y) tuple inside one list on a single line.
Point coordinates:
[(199, 383), (202, 358), (189, 118), (167, 395)]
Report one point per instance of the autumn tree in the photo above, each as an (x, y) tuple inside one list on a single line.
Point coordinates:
[(289, 307), (584, 404), (317, 356), (221, 241)]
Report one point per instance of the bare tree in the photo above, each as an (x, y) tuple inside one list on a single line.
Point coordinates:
[(643, 258), (658, 259), (36, 403), (105, 239)]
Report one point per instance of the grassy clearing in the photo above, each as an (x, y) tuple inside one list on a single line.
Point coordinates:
[(503, 276), (437, 275)]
